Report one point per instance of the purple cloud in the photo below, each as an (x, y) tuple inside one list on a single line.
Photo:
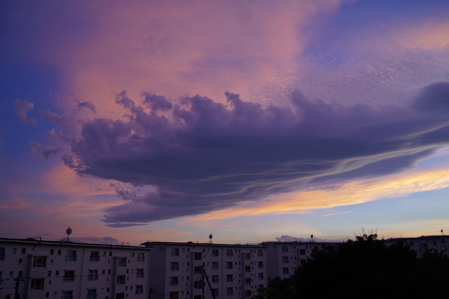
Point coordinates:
[(156, 102), (22, 108), (40, 150), (87, 105), (55, 118), (201, 155)]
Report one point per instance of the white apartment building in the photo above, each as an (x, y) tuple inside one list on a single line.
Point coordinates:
[(284, 257), (230, 271), (37, 269), (432, 244)]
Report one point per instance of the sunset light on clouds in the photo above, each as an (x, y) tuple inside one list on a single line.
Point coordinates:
[(168, 120)]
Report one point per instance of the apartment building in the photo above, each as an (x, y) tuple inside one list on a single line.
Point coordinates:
[(433, 244), (284, 257), (36, 269), (206, 270)]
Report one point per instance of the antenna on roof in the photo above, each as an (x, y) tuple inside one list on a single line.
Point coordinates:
[(311, 236), (442, 233), (210, 238), (68, 231)]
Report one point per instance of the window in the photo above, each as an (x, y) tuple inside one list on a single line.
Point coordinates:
[(247, 256), (69, 275), (228, 252), (120, 296), (260, 264), (91, 294), (121, 261), (215, 292), (285, 259), (24, 250), (139, 289), (93, 275), (260, 276), (285, 271), (39, 261), (174, 266), (37, 284), (228, 265), (248, 293), (284, 248), (214, 278), (302, 252), (248, 280), (141, 257), (52, 251), (198, 256), (139, 273), (175, 251), (94, 256), (120, 279), (247, 268), (198, 270), (2, 253), (71, 256), (229, 291), (215, 252), (197, 297), (215, 266), (67, 294), (174, 280), (229, 278), (197, 284)]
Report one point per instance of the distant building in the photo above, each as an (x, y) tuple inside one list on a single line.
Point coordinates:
[(36, 269), (284, 257), (179, 270), (432, 244)]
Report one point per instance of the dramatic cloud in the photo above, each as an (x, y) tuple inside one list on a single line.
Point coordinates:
[(22, 108), (197, 155)]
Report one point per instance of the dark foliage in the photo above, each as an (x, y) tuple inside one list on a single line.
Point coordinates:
[(365, 268)]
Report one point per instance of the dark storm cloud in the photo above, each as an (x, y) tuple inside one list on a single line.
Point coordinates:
[(200, 155)]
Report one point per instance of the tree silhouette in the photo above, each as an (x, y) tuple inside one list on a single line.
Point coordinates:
[(365, 268)]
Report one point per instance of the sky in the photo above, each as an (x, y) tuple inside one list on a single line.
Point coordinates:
[(134, 121)]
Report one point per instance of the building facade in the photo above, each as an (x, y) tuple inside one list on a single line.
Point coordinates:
[(421, 245), (204, 270), (46, 269), (284, 257)]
